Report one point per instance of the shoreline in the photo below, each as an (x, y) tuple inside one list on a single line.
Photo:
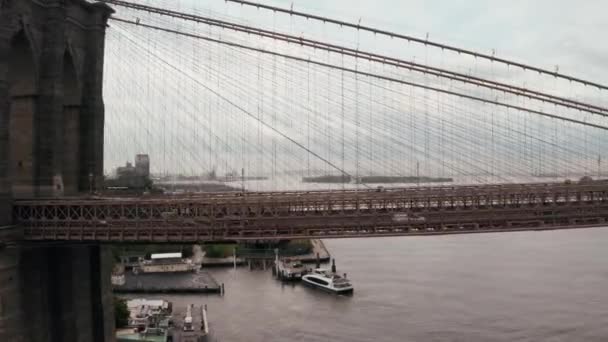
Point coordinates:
[(318, 247)]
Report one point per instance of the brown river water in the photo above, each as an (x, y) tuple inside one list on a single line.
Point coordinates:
[(523, 286)]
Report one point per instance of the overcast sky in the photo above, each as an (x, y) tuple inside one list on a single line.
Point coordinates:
[(549, 32), (540, 33)]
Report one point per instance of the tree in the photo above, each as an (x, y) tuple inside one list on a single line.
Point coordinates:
[(121, 312)]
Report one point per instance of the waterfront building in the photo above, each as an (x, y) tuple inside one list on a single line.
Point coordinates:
[(166, 263)]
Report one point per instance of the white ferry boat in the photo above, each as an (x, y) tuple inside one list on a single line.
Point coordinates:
[(328, 281)]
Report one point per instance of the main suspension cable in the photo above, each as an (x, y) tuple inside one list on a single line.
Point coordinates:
[(415, 40), (369, 74), (373, 57)]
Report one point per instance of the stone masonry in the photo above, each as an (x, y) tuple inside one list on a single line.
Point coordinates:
[(51, 107), (51, 145)]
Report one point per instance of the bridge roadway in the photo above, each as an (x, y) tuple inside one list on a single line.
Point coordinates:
[(316, 214)]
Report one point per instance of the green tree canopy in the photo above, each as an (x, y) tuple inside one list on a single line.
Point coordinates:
[(121, 312)]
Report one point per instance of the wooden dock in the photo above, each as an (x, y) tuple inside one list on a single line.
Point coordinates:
[(190, 282)]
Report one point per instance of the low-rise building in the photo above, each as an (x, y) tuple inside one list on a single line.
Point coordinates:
[(166, 262)]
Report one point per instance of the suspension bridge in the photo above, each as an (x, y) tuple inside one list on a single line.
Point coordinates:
[(480, 142), (204, 92)]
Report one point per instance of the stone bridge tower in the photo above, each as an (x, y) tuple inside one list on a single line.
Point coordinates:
[(51, 145), (51, 107)]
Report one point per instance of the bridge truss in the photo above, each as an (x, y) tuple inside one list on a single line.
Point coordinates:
[(318, 214)]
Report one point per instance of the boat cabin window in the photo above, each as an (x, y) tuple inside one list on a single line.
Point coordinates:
[(318, 281)]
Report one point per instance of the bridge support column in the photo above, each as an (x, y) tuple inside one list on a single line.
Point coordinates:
[(57, 293), (92, 110), (5, 208), (5, 185), (11, 313)]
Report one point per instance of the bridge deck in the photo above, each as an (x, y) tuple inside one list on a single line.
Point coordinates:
[(316, 214)]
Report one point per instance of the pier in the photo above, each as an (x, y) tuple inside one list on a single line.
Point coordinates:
[(201, 282)]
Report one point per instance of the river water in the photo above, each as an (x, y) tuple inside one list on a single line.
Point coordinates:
[(523, 286)]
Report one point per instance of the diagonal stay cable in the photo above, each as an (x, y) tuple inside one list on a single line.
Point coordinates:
[(368, 74), (240, 108)]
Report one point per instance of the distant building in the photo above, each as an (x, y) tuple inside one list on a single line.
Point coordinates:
[(125, 171), (132, 177), (142, 165)]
